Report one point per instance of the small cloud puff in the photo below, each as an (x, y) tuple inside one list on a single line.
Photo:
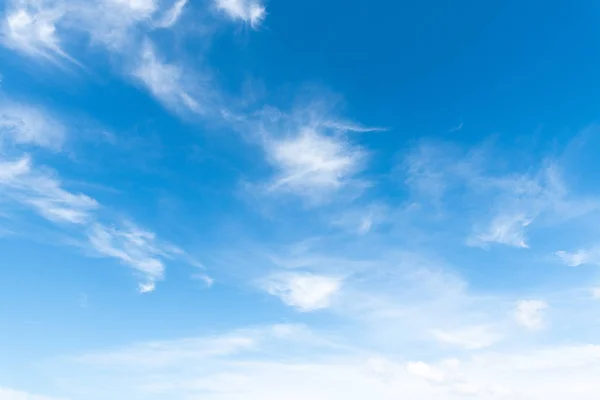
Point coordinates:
[(530, 314), (304, 291), (250, 11)]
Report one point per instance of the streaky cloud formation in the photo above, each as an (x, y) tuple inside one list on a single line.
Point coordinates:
[(24, 124), (171, 16), (510, 204), (31, 30), (44, 193), (134, 247), (166, 82), (251, 12), (42, 190), (352, 245)]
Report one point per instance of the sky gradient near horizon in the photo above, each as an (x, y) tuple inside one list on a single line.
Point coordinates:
[(317, 199)]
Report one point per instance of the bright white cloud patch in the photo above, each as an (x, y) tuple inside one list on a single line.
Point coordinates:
[(42, 190), (147, 287), (251, 12), (39, 27), (30, 28), (530, 314), (314, 164), (306, 292)]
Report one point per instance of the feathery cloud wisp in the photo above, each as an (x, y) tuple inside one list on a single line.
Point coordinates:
[(24, 124), (165, 81), (251, 12), (306, 292)]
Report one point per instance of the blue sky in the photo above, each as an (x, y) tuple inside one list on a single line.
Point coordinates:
[(236, 199)]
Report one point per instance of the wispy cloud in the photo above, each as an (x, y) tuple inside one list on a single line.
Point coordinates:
[(38, 28), (580, 257), (304, 291), (29, 27), (40, 189), (434, 172), (133, 246), (530, 314), (251, 12), (171, 16), (24, 124), (312, 155), (507, 229), (361, 220), (169, 353), (165, 81), (43, 192)]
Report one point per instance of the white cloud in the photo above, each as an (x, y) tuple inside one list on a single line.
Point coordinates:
[(36, 27), (306, 292), (596, 293), (578, 258), (11, 394), (172, 353), (165, 81), (313, 164), (470, 338), (349, 126), (505, 206), (133, 246), (10, 171), (171, 16), (43, 192), (251, 12), (208, 281), (283, 362), (116, 25), (503, 229), (530, 314), (24, 124), (523, 199), (30, 28), (147, 287)]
